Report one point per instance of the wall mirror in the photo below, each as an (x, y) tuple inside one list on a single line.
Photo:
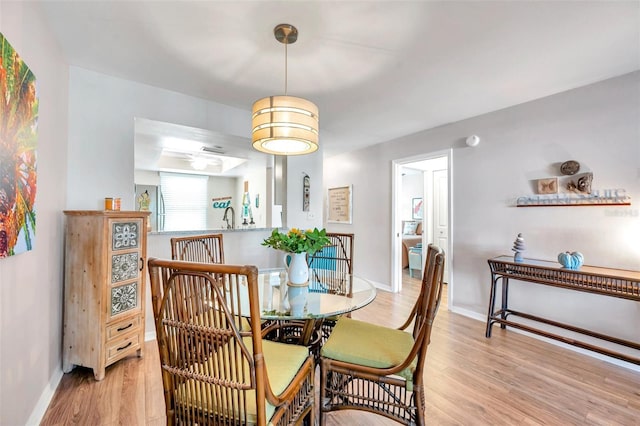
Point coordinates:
[(195, 179)]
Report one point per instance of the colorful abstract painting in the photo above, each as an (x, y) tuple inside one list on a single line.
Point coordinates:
[(18, 140)]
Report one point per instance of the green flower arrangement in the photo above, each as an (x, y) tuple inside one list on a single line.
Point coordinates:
[(298, 241)]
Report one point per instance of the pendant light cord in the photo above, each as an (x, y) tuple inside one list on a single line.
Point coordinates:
[(285, 68)]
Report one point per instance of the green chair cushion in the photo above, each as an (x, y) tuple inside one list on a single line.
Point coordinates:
[(283, 361), (370, 345)]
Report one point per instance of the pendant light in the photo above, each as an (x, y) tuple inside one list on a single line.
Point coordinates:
[(285, 125)]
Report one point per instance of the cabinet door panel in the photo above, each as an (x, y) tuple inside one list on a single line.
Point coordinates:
[(124, 298), (124, 267), (125, 235)]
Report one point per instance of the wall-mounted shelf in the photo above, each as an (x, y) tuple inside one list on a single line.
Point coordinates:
[(570, 200)]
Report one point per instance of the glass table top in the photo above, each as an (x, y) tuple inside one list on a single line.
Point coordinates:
[(330, 293)]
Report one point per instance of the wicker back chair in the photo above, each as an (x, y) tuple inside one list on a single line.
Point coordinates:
[(198, 248), (379, 369), (337, 257), (215, 370), (332, 267)]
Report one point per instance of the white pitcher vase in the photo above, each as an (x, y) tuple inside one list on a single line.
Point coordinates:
[(297, 268), (298, 282)]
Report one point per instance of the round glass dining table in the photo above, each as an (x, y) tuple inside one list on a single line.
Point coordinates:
[(331, 293)]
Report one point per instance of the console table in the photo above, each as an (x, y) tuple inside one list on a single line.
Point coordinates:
[(604, 281)]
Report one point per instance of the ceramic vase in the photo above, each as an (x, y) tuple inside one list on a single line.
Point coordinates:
[(297, 268), (298, 282), (297, 297)]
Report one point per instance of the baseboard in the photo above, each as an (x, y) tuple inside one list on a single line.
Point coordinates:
[(468, 313), (149, 335), (596, 355), (45, 399), (380, 286)]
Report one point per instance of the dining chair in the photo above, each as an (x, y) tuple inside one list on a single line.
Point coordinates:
[(206, 248), (333, 268), (336, 257), (380, 369), (215, 368)]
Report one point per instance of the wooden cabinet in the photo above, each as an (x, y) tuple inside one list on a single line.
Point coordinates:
[(105, 264)]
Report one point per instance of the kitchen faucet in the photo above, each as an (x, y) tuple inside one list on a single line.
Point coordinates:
[(233, 218)]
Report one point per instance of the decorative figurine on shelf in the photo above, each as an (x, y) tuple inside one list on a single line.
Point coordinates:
[(571, 260), (246, 208), (143, 201), (582, 185), (518, 247), (570, 167)]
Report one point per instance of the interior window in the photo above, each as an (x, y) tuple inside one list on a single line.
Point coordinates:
[(185, 201)]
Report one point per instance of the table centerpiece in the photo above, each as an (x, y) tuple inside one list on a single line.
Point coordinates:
[(297, 245)]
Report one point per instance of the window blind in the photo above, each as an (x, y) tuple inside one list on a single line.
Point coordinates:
[(185, 201)]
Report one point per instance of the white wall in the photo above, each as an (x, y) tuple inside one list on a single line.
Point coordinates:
[(369, 173), (596, 125), (297, 167), (31, 282), (101, 131)]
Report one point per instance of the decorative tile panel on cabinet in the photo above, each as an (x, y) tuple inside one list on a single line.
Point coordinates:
[(104, 284)]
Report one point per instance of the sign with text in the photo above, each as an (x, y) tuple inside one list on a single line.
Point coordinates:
[(340, 205)]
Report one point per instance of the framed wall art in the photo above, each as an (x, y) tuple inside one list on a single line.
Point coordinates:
[(547, 186), (18, 140), (339, 201), (416, 208)]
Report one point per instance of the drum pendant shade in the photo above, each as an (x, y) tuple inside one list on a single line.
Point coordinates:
[(285, 125)]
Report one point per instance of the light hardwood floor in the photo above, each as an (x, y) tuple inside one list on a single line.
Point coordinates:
[(510, 379)]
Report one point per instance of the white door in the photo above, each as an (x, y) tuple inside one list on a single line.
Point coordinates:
[(441, 214)]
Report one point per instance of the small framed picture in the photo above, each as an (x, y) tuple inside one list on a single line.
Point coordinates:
[(548, 186), (339, 200), (416, 208)]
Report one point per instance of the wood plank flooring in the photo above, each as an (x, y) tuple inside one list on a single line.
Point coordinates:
[(510, 379)]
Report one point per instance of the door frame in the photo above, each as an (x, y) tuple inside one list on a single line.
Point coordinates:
[(396, 216)]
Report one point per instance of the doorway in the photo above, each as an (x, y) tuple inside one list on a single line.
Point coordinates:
[(424, 181)]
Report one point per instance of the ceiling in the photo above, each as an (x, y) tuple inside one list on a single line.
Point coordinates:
[(377, 70), (170, 147)]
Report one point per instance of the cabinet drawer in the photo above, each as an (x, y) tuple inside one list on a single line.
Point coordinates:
[(120, 328), (121, 348)]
